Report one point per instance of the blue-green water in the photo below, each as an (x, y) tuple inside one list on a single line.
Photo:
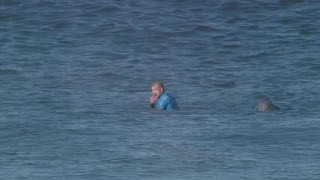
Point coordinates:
[(75, 82)]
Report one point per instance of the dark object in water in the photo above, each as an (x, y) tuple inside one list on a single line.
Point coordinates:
[(266, 105)]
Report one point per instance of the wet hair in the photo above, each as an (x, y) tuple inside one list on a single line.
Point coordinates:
[(157, 83)]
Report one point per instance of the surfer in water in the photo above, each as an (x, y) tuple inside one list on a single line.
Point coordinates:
[(161, 100)]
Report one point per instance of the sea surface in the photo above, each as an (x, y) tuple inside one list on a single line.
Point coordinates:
[(75, 84)]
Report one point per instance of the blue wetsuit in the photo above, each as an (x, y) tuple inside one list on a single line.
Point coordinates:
[(166, 102)]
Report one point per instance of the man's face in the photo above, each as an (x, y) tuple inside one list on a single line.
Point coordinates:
[(156, 90)]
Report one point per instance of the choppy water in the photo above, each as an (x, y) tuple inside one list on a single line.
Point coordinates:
[(75, 81)]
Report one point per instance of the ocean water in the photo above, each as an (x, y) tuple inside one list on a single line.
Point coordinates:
[(75, 82)]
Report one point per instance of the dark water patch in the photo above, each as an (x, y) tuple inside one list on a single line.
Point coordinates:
[(223, 84), (122, 83), (240, 7), (30, 48), (124, 30), (113, 76), (204, 28), (8, 72), (103, 8), (210, 62), (112, 55), (8, 16), (307, 66), (58, 25), (315, 69), (289, 2), (256, 55), (232, 5), (288, 21), (308, 29), (230, 46), (106, 27), (234, 20), (6, 3)]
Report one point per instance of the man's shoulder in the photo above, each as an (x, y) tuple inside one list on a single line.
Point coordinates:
[(168, 101), (166, 96)]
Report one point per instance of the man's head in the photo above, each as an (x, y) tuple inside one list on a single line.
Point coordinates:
[(157, 88)]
